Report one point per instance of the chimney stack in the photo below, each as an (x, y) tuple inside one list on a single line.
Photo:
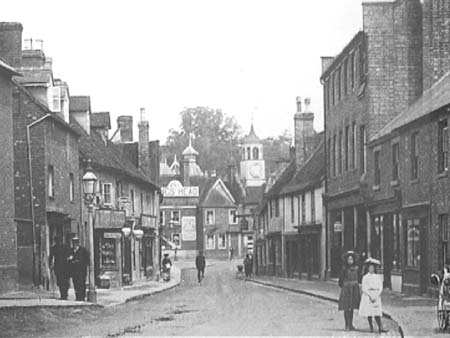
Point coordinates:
[(11, 43), (125, 125), (144, 146), (304, 132), (299, 104)]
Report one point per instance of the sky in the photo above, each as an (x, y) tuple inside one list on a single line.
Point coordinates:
[(250, 58)]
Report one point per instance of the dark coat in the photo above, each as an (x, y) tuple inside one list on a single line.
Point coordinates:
[(350, 296), (200, 262), (59, 254), (165, 261), (79, 260)]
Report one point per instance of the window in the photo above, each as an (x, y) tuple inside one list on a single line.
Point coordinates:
[(376, 238), (176, 240), (71, 188), (54, 99), (232, 216), (444, 235), (352, 71), (330, 92), (346, 140), (270, 209), (326, 97), (338, 84), (107, 193), (330, 158), (442, 146), (414, 157), (397, 253), (255, 153), (51, 182), (243, 153), (222, 242), (142, 202), (303, 209), (339, 154), (210, 217), (210, 243), (132, 200), (248, 153), (362, 64), (313, 207), (413, 242), (334, 155), (162, 217), (362, 149), (377, 169), (277, 207), (175, 217), (292, 210), (345, 76), (333, 89), (395, 161), (353, 146)]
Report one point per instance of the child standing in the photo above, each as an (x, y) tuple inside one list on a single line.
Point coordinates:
[(371, 295), (349, 282)]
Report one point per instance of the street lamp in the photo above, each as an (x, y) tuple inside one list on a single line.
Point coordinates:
[(89, 187)]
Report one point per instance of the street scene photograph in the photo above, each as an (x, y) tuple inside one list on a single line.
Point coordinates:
[(225, 168)]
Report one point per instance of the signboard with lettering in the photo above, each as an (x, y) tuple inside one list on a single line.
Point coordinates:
[(188, 228), (176, 189), (148, 221), (109, 219), (338, 227)]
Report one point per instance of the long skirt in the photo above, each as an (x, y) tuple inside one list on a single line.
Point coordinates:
[(350, 297)]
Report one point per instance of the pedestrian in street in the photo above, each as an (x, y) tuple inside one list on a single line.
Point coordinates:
[(166, 265), (349, 297), (247, 266), (372, 287), (231, 253), (200, 263), (78, 259), (58, 262)]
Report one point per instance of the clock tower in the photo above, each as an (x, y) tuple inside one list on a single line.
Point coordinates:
[(252, 166)]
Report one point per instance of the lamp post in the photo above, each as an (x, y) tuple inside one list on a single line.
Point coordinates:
[(89, 185)]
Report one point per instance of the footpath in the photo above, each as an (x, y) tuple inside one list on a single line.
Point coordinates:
[(415, 315), (105, 297)]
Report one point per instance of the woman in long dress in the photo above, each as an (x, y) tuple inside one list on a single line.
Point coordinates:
[(372, 287)]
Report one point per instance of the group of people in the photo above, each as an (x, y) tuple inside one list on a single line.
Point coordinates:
[(368, 300), (69, 263)]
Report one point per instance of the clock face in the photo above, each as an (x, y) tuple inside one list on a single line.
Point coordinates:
[(255, 170)]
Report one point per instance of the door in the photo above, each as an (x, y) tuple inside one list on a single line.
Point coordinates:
[(387, 249), (126, 268), (424, 268)]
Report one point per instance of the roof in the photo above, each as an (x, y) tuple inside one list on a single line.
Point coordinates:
[(190, 149), (437, 96), (101, 120), (7, 68), (35, 76), (80, 103), (286, 176), (164, 169), (254, 195), (251, 138), (107, 156)]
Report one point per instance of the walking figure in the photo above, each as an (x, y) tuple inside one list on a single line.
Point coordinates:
[(372, 286), (231, 253), (58, 262), (79, 259), (166, 266), (349, 282), (247, 266), (200, 264)]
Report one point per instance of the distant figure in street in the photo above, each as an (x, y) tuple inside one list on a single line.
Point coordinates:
[(166, 266), (231, 253), (200, 264), (247, 266), (349, 282), (78, 259), (58, 262), (372, 287)]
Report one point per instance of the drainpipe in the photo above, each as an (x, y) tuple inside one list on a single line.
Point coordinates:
[(29, 126)]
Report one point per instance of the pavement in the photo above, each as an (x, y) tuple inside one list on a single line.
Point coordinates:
[(415, 315)]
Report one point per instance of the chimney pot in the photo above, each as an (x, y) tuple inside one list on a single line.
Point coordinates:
[(307, 104), (142, 114), (299, 104)]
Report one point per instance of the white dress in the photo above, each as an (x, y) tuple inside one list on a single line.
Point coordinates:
[(372, 287)]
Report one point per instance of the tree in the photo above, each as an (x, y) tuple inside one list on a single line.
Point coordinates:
[(214, 135)]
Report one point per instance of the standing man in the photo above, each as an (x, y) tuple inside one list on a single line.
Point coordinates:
[(231, 253), (58, 262), (200, 264), (79, 259)]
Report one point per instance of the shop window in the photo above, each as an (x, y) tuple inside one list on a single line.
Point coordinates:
[(210, 217), (444, 235), (397, 253), (376, 238), (377, 168), (210, 243), (232, 216), (442, 146), (395, 161), (71, 188), (51, 181), (413, 242), (176, 240), (107, 193), (414, 156), (108, 253), (222, 242)]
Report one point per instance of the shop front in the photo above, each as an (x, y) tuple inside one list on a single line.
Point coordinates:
[(309, 250), (149, 249)]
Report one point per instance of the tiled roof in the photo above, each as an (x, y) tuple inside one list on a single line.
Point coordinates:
[(205, 188), (107, 156), (101, 120), (431, 100), (80, 103), (287, 174), (35, 76), (254, 195)]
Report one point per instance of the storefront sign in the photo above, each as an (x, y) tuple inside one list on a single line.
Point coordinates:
[(148, 221), (176, 189), (109, 219), (188, 228), (112, 235), (338, 227)]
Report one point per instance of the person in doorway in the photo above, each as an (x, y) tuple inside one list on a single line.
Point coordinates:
[(166, 266), (58, 262), (372, 286), (78, 259), (200, 263), (247, 266), (231, 253), (350, 296)]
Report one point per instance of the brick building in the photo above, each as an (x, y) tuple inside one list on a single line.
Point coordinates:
[(377, 75)]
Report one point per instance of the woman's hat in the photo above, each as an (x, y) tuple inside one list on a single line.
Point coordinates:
[(350, 253), (372, 261)]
